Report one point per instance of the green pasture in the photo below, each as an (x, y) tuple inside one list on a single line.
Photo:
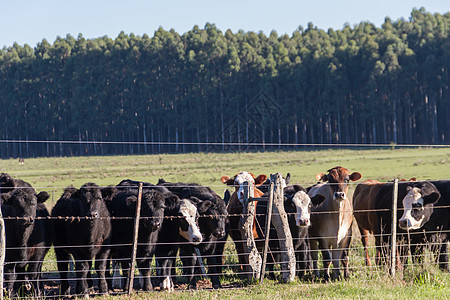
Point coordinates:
[(427, 282)]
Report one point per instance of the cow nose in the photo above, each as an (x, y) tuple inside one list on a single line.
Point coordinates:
[(94, 214), (404, 223), (196, 239), (156, 225), (303, 223), (339, 195), (220, 233)]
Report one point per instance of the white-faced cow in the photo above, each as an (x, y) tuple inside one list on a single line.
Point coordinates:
[(423, 214), (235, 206), (331, 221)]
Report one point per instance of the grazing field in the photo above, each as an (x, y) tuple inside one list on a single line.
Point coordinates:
[(425, 282)]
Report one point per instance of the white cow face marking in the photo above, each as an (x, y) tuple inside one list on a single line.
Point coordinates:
[(239, 181), (302, 203), (413, 214), (188, 225)]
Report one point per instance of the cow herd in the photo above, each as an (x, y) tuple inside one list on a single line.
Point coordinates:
[(95, 225)]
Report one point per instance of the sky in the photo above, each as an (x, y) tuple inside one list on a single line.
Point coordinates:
[(30, 21)]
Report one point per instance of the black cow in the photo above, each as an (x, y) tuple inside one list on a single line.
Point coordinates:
[(123, 206), (423, 210), (19, 211), (212, 222), (8, 184), (180, 226), (83, 231), (297, 205)]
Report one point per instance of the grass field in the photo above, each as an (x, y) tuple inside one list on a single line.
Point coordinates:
[(54, 174)]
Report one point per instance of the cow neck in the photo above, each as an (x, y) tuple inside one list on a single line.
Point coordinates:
[(345, 217)]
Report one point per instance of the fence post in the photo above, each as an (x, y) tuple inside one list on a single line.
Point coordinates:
[(266, 236), (281, 224), (394, 227), (135, 240), (253, 267), (2, 251)]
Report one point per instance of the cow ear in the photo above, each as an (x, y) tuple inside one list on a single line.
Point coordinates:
[(298, 188), (431, 198), (204, 206), (322, 177), (131, 199), (260, 179), (355, 176), (5, 197), (226, 196), (108, 192), (288, 178), (227, 180), (42, 197), (413, 179), (317, 199), (408, 188), (161, 181)]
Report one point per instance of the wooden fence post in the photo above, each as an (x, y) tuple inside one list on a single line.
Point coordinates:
[(135, 240), (281, 224), (394, 227), (254, 260), (266, 234)]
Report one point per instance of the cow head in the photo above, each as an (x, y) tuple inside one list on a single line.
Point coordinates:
[(90, 201), (213, 216), (240, 180), (22, 204), (338, 178), (302, 203), (152, 209), (418, 205), (188, 222)]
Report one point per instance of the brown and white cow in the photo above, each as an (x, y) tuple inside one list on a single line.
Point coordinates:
[(235, 206), (331, 221)]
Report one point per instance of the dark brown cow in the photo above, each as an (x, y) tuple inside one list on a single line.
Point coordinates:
[(364, 211), (364, 199), (235, 206), (331, 220)]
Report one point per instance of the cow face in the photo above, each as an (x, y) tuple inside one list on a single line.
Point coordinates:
[(303, 203), (339, 178), (418, 205), (242, 179), (188, 222), (213, 217), (91, 201), (152, 210), (22, 204)]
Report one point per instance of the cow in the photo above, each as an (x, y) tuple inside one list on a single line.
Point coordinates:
[(180, 225), (331, 221), (235, 207), (423, 210), (82, 229), (364, 212), (122, 208), (364, 199), (21, 204), (212, 222), (297, 205)]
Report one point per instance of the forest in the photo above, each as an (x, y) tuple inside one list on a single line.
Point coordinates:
[(208, 90)]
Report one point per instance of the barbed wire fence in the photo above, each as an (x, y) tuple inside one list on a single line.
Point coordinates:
[(258, 254)]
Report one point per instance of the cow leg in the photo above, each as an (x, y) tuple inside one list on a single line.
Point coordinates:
[(303, 259), (315, 257), (10, 277), (443, 256), (327, 258), (82, 270), (100, 267), (63, 258), (126, 265), (214, 272), (365, 243), (144, 270), (189, 259)]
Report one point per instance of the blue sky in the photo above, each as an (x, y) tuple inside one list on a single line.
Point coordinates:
[(30, 21)]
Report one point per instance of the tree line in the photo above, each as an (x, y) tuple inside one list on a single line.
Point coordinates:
[(360, 84)]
